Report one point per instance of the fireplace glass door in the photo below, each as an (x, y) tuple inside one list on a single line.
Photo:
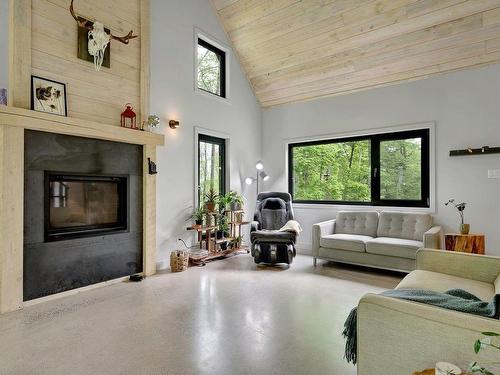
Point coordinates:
[(82, 206)]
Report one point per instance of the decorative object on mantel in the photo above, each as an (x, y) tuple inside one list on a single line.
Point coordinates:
[(152, 122), (476, 151), (464, 228), (174, 124), (3, 96), (48, 96), (128, 117), (98, 37)]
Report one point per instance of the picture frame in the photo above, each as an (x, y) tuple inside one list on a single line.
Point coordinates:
[(48, 96)]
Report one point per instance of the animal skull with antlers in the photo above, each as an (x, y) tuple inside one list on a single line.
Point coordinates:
[(98, 37)]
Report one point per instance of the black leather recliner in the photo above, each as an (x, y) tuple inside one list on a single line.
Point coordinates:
[(269, 245)]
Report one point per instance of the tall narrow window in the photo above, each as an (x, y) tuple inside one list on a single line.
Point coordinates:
[(211, 74), (211, 166), (390, 169)]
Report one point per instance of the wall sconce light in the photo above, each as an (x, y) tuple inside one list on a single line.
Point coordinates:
[(174, 124)]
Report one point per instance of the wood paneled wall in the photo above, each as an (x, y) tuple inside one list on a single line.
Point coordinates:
[(295, 50), (96, 96)]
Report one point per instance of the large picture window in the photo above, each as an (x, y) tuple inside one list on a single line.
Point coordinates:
[(389, 169), (211, 166)]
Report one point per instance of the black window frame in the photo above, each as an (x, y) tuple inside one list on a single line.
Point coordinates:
[(221, 142), (375, 140), (222, 67)]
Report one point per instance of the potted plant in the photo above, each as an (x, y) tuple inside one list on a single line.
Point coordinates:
[(464, 228), (198, 216), (490, 340), (237, 242), (224, 201), (211, 200), (236, 200)]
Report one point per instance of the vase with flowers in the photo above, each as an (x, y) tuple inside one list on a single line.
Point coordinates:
[(464, 228)]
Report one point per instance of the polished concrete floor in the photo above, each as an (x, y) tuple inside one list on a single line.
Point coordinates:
[(230, 317)]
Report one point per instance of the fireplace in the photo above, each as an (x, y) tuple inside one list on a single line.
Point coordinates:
[(79, 206)]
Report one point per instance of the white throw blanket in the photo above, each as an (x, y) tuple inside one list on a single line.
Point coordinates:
[(291, 226)]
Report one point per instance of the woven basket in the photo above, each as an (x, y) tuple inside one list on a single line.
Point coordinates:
[(179, 260)]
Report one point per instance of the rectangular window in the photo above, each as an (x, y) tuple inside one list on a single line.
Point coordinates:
[(382, 170), (211, 166), (211, 68)]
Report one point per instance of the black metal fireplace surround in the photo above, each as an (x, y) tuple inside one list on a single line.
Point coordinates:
[(83, 212), (79, 206)]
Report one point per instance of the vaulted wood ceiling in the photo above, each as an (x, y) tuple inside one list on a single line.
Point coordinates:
[(295, 50)]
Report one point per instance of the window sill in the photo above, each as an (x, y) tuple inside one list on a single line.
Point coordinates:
[(346, 207)]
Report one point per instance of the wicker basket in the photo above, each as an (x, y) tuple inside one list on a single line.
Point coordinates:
[(179, 260)]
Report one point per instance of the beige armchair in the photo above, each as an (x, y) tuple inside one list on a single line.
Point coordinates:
[(398, 337)]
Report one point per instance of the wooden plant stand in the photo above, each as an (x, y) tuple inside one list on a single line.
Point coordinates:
[(466, 243), (213, 249)]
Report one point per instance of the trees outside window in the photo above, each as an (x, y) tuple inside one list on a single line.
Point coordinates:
[(211, 73), (211, 166), (383, 169)]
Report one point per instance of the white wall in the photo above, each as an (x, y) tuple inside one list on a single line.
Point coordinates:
[(4, 44), (173, 97), (466, 109)]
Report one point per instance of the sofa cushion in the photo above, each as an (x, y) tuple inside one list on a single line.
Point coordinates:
[(357, 222), (351, 242), (441, 282), (410, 226), (394, 247)]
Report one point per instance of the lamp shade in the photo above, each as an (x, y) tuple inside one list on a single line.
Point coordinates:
[(264, 176), (249, 180), (259, 166)]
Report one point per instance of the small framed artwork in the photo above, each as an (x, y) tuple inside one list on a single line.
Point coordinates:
[(48, 96)]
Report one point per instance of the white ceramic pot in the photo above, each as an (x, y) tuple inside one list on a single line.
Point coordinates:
[(443, 368)]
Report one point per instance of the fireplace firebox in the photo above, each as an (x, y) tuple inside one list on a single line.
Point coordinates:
[(79, 206)]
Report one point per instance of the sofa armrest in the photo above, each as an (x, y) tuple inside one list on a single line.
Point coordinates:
[(432, 238), (470, 266), (254, 226), (399, 337), (319, 230)]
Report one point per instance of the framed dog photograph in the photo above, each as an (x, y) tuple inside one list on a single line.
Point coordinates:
[(48, 96)]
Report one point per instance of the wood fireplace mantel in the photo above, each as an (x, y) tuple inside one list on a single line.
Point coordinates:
[(13, 121)]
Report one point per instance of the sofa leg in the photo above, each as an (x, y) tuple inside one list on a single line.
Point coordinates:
[(315, 261)]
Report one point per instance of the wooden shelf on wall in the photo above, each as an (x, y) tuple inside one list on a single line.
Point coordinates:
[(28, 119)]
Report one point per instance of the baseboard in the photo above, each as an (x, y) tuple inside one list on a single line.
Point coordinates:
[(72, 292), (303, 248)]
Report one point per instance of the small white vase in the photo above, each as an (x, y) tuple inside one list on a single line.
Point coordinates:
[(444, 368)]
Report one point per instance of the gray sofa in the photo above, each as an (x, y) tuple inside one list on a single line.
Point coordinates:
[(388, 240)]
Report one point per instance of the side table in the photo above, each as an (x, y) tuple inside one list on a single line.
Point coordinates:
[(466, 243)]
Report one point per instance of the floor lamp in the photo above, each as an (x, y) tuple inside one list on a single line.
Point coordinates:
[(259, 166)]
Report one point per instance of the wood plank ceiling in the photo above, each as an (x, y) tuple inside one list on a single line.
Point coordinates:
[(296, 50)]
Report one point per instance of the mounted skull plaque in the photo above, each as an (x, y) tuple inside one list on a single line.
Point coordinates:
[(93, 40)]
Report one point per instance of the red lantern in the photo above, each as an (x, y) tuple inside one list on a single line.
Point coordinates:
[(128, 119)]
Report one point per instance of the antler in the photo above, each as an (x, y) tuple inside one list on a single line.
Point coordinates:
[(82, 22)]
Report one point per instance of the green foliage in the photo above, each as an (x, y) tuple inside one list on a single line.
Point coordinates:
[(208, 71), (337, 172), (199, 214), (235, 197), (491, 340), (211, 196), (400, 169), (342, 171), (209, 169)]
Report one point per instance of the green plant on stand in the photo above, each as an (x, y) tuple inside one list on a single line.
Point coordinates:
[(199, 215), (224, 201), (211, 198), (236, 200), (490, 340)]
